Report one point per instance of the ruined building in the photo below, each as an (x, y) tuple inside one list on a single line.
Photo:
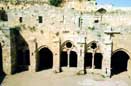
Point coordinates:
[(79, 34)]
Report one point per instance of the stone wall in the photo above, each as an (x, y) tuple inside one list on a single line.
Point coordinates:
[(45, 25)]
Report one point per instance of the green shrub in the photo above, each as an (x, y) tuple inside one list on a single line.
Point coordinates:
[(55, 2)]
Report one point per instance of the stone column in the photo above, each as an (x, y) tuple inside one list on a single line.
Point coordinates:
[(68, 58), (93, 58), (106, 66), (7, 55), (107, 59), (108, 49), (81, 53), (56, 55), (33, 54), (7, 66)]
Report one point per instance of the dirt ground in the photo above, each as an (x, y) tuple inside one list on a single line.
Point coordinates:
[(67, 78)]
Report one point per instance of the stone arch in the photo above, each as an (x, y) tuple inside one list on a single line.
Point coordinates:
[(98, 56), (89, 44), (64, 47), (101, 10), (44, 58), (43, 46), (120, 61), (72, 60), (121, 49)]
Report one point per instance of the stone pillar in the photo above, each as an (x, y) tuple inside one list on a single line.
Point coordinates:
[(106, 66), (108, 49), (33, 54), (5, 39), (7, 66), (81, 53), (107, 59), (68, 58), (56, 55), (93, 59)]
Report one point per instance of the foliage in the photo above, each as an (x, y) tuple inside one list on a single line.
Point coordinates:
[(55, 2), (91, 28)]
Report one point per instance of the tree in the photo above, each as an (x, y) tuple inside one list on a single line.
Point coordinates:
[(55, 2)]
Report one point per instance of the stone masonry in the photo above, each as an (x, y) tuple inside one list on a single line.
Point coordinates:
[(76, 26)]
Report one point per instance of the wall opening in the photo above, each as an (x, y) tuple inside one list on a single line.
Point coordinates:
[(119, 62), (20, 19), (72, 59), (40, 18), (2, 74), (3, 15), (88, 60), (23, 60), (19, 51), (98, 60), (1, 62), (45, 59), (96, 21), (68, 44), (63, 59)]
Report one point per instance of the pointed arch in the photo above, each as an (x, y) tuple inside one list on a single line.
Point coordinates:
[(119, 61), (44, 58)]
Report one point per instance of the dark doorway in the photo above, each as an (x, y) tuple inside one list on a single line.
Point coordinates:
[(2, 74), (19, 50), (27, 57), (73, 59), (1, 62), (119, 62), (45, 59), (63, 59), (3, 15), (23, 60), (98, 60), (88, 60)]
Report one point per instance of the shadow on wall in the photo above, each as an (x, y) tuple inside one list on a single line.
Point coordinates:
[(2, 75), (3, 15), (2, 78), (19, 51)]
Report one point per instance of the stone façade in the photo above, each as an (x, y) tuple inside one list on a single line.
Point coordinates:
[(31, 28)]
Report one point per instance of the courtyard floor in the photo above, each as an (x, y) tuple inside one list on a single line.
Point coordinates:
[(67, 78)]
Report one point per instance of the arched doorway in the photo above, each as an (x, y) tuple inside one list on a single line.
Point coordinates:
[(93, 57), (63, 59), (1, 62), (68, 57), (72, 59), (88, 60), (45, 59), (97, 60), (119, 62)]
